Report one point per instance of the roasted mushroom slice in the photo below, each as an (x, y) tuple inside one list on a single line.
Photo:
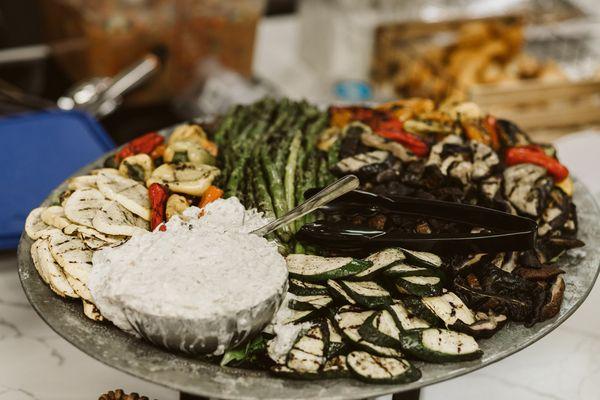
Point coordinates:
[(554, 299), (539, 274), (487, 324)]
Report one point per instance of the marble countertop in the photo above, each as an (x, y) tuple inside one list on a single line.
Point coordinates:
[(35, 363)]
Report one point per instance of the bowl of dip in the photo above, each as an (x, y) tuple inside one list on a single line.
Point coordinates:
[(199, 284)]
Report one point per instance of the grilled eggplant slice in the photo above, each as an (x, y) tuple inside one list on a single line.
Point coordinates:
[(301, 288), (367, 293), (129, 193), (374, 369), (82, 182), (404, 319), (71, 254), (55, 217), (440, 345), (317, 269), (381, 260), (80, 288), (83, 205), (49, 269), (35, 227), (308, 353), (420, 285), (91, 311), (113, 219)]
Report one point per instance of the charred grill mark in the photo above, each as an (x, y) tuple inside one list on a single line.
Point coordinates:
[(381, 365)]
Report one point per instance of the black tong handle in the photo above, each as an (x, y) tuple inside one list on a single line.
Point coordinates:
[(508, 232)]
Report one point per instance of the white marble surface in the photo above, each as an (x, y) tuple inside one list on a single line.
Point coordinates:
[(35, 363)]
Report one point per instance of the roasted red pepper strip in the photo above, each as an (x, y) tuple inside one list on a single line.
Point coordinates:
[(143, 144), (411, 142), (526, 154), (491, 126), (158, 195)]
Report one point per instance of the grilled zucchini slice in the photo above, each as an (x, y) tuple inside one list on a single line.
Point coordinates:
[(440, 345), (415, 306), (403, 269), (336, 342), (317, 269), (370, 368), (367, 294), (301, 288), (310, 303), (422, 258), (308, 353), (349, 320), (338, 293), (336, 367), (301, 316), (454, 314), (420, 285), (381, 329), (450, 309), (404, 319), (35, 227), (381, 260)]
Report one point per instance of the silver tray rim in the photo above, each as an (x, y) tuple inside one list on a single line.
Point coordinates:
[(204, 379)]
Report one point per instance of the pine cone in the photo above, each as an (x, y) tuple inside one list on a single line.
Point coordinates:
[(120, 395)]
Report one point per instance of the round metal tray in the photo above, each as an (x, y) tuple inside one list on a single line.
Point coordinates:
[(108, 344)]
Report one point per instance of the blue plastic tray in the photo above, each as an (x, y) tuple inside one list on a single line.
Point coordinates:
[(38, 152)]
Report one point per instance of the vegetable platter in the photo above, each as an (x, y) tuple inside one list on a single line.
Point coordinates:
[(246, 168)]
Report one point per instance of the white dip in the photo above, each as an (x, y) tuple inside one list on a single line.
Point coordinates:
[(200, 267)]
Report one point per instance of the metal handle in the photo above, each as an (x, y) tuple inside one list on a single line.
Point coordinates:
[(329, 193), (132, 76)]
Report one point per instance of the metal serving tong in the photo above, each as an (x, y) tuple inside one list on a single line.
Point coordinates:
[(502, 231)]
